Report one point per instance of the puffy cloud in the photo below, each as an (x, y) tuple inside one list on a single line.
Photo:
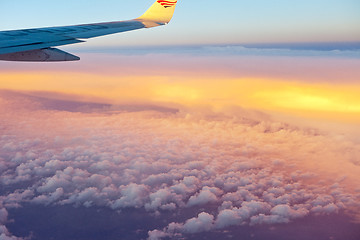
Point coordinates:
[(287, 212), (203, 222), (228, 217), (48, 199), (238, 216), (14, 199), (157, 234), (225, 171), (205, 196), (330, 208), (85, 197), (132, 195)]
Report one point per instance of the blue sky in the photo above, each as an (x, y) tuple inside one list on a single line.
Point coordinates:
[(200, 21)]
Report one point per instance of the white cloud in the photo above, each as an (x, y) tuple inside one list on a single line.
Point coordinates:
[(157, 234), (202, 223), (132, 195), (204, 197), (48, 199), (228, 217), (287, 212)]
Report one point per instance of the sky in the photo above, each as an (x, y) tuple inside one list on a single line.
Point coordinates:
[(236, 120), (200, 21)]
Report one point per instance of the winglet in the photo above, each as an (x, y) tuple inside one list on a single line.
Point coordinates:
[(159, 13)]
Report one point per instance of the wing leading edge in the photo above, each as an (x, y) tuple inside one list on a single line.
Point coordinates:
[(36, 45)]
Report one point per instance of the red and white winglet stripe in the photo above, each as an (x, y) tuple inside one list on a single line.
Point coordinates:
[(167, 4)]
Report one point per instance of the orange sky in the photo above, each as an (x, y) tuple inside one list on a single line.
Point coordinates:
[(203, 81)]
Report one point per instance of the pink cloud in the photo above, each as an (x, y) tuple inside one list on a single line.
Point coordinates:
[(233, 170)]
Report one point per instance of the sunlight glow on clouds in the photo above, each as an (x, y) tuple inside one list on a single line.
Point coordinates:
[(323, 88), (195, 142)]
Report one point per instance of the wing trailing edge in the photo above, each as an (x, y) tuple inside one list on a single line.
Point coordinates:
[(40, 55)]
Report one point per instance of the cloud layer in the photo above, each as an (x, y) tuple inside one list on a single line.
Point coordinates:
[(230, 171)]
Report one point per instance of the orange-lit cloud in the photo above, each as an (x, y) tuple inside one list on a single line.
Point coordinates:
[(337, 102), (253, 171), (312, 87)]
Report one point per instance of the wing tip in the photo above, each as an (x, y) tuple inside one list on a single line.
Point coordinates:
[(161, 12)]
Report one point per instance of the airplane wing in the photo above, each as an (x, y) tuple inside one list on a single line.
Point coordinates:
[(36, 45)]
